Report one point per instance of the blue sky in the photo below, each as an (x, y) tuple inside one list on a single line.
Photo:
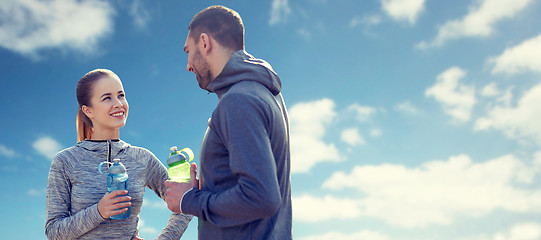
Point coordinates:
[(410, 119)]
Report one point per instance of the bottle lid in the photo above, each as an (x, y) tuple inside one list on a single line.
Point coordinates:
[(175, 156), (117, 167), (173, 150)]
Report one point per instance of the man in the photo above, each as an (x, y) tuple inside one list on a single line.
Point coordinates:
[(245, 187)]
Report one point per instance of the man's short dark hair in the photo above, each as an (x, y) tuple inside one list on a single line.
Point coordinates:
[(221, 23)]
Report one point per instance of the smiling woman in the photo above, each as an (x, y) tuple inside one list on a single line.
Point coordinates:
[(79, 205), (102, 105)]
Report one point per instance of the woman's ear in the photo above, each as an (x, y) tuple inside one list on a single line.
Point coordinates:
[(87, 111)]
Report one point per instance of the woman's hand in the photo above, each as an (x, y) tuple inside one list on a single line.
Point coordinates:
[(109, 202)]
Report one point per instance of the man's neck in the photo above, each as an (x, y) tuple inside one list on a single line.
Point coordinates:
[(220, 60)]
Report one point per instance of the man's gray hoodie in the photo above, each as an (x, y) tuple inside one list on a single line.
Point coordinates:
[(245, 158)]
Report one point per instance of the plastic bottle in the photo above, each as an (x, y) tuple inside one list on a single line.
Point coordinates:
[(117, 179), (179, 166)]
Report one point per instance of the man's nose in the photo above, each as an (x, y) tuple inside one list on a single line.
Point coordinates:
[(189, 68)]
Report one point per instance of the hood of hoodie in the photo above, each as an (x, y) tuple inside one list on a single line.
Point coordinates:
[(107, 149), (244, 67)]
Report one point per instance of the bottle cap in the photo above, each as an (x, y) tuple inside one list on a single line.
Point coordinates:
[(175, 156), (117, 167)]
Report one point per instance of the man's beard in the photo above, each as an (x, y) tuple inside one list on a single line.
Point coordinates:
[(202, 71)]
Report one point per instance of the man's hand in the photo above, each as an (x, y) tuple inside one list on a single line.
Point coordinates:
[(175, 190)]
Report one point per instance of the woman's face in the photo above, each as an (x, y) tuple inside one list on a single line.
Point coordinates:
[(109, 109)]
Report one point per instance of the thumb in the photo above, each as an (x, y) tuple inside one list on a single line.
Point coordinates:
[(193, 171)]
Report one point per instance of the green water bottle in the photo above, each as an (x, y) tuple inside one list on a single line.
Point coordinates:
[(179, 164)]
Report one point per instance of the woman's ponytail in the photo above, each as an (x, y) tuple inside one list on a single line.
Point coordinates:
[(84, 129)]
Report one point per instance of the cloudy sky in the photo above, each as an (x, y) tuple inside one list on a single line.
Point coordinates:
[(410, 119)]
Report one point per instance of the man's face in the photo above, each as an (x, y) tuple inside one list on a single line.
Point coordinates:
[(197, 63)]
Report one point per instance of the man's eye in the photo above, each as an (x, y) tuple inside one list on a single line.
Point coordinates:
[(105, 98), (121, 96)]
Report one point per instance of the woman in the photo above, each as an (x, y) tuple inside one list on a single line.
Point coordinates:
[(78, 205)]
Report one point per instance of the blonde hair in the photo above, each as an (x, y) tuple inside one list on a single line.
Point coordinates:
[(84, 94)]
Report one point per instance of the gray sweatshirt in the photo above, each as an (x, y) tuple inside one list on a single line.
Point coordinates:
[(245, 158), (75, 187)]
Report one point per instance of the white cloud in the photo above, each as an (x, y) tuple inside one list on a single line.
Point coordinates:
[(140, 14), (142, 228), (6, 152), (435, 192), (520, 122), (524, 231), (497, 96), (279, 11), (362, 113), (406, 107), (400, 10), (36, 192), (479, 22), (457, 99), (303, 32), (308, 125), (375, 133), (521, 231), (10, 168), (47, 147), (537, 161), (29, 26), (523, 57), (303, 208), (365, 234), (364, 21), (490, 90), (352, 137), (160, 204)]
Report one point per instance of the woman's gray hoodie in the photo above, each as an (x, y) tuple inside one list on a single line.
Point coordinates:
[(75, 187)]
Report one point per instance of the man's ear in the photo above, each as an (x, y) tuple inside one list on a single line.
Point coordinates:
[(205, 44), (87, 111)]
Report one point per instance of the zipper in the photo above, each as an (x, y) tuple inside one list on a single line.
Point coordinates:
[(108, 152)]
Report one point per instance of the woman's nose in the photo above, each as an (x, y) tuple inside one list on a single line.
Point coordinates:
[(118, 103)]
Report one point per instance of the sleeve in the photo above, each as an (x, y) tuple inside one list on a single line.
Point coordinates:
[(242, 123), (177, 223), (60, 224)]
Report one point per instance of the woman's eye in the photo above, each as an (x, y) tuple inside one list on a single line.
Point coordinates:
[(105, 98)]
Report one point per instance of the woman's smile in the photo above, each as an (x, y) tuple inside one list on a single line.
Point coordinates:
[(118, 114)]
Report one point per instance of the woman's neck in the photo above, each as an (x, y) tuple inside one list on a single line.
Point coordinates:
[(105, 135)]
